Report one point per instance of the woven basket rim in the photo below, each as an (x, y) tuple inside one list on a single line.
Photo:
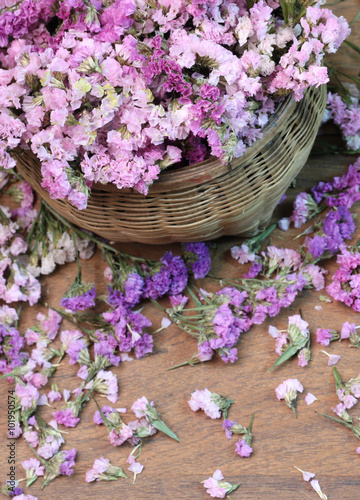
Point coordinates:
[(198, 173)]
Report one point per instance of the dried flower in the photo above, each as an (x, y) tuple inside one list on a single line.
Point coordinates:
[(315, 484), (214, 405), (333, 358), (288, 390), (103, 470), (216, 487), (306, 475)]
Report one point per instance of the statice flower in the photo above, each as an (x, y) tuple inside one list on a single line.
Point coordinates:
[(305, 208), (79, 297), (197, 257), (134, 466), (293, 340), (105, 383), (315, 484), (116, 104), (216, 487), (103, 470), (221, 320), (345, 282), (307, 476), (118, 431), (242, 254), (11, 342), (213, 405), (170, 277), (325, 336), (128, 327), (287, 391), (345, 113), (60, 464), (33, 470), (333, 358), (144, 409)]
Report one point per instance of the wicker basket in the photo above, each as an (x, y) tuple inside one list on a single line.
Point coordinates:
[(206, 200)]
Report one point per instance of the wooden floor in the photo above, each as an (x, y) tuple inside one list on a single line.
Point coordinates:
[(174, 470)]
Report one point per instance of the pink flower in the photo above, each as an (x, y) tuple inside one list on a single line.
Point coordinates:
[(140, 407), (203, 400), (217, 488), (333, 358), (243, 449), (33, 470), (306, 475), (242, 254), (310, 398), (347, 330), (316, 486), (287, 391)]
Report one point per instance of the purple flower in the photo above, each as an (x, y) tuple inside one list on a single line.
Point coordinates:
[(243, 449), (197, 257), (324, 336), (79, 302), (133, 288), (66, 417)]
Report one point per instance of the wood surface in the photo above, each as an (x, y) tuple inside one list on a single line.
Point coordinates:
[(175, 470)]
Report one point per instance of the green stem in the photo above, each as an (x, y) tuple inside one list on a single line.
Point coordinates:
[(179, 365)]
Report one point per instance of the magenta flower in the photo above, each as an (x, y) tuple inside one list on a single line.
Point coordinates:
[(243, 449)]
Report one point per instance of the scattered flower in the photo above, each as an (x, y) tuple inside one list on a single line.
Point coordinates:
[(287, 391), (216, 487), (333, 358), (103, 470), (214, 405)]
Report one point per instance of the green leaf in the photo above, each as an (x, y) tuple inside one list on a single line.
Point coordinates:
[(233, 488), (162, 427), (338, 420), (289, 353), (285, 11), (30, 481), (353, 46), (194, 297), (337, 377)]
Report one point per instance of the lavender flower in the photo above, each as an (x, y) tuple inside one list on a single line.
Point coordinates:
[(79, 297), (197, 257)]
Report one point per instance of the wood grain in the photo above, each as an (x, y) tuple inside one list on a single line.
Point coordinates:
[(175, 470)]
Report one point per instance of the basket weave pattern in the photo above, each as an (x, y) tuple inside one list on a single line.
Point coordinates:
[(207, 200)]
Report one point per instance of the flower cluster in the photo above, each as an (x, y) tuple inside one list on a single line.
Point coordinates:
[(118, 91), (103, 470), (216, 487), (295, 339), (345, 113), (147, 424), (287, 391), (344, 286), (243, 446), (214, 405)]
